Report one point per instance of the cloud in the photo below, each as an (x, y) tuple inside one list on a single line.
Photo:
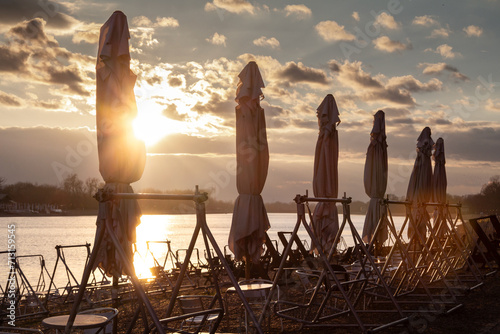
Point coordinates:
[(232, 6), (31, 54), (353, 72), (166, 22), (413, 85), (440, 33), (493, 105), (32, 31), (396, 90), (297, 73), (384, 43), (87, 33), (387, 21), (55, 14), (10, 100), (272, 42), (331, 31), (145, 22), (301, 12), (217, 39), (445, 51), (473, 31), (425, 20), (355, 16), (13, 61), (439, 68)]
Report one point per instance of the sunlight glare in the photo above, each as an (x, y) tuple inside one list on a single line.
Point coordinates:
[(151, 126), (143, 257)]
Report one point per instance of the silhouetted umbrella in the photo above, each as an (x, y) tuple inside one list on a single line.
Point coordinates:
[(439, 182), (250, 221), (325, 223), (420, 185), (121, 156), (375, 178)]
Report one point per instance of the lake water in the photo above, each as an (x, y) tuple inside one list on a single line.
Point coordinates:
[(40, 235)]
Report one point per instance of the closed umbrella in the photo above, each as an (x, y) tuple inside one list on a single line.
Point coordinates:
[(250, 221), (439, 182), (325, 222), (420, 185), (121, 156), (375, 179)]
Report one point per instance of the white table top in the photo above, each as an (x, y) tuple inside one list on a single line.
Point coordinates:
[(252, 286), (82, 321)]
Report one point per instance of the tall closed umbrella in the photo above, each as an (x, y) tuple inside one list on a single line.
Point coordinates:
[(325, 223), (250, 221), (420, 185), (121, 156), (375, 179), (439, 182)]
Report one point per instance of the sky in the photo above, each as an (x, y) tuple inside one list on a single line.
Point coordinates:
[(424, 63)]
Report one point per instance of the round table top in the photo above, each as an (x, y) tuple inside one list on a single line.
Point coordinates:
[(82, 321)]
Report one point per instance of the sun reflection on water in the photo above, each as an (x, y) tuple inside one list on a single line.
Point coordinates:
[(152, 228)]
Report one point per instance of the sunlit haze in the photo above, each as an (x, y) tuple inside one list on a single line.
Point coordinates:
[(424, 63)]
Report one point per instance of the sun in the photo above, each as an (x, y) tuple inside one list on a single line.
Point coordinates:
[(151, 126)]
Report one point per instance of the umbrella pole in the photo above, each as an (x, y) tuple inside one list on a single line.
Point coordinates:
[(85, 278), (247, 265), (116, 302)]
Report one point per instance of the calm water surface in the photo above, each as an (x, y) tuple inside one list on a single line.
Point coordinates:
[(40, 235)]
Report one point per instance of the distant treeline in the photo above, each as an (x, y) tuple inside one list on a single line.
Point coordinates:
[(76, 195)]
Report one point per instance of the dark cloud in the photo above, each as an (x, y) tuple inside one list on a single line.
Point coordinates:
[(298, 72), (396, 112), (31, 31), (9, 100), (54, 13), (354, 73), (171, 112), (272, 110), (216, 105), (52, 105), (390, 95), (154, 80), (305, 124), (36, 56), (69, 77), (334, 66), (175, 82), (399, 120), (12, 61), (413, 85), (440, 68)]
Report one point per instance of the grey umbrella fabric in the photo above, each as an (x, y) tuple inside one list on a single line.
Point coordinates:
[(375, 178), (420, 185), (325, 222), (250, 221), (439, 182), (122, 157)]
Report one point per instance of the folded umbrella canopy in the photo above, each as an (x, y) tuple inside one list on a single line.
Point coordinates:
[(250, 221), (420, 185), (325, 222), (439, 182), (375, 179), (121, 155)]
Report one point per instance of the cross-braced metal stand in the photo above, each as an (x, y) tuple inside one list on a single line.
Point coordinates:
[(201, 225), (404, 276), (345, 289)]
